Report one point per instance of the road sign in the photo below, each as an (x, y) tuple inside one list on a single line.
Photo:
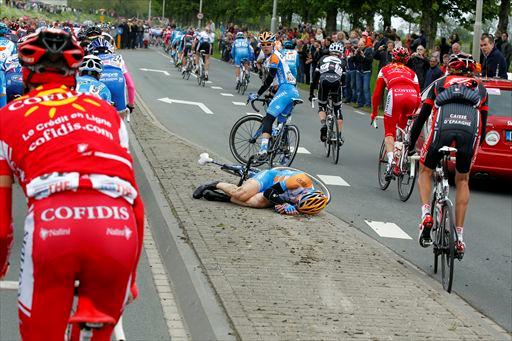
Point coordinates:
[(200, 16)]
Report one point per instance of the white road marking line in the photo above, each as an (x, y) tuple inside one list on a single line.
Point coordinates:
[(224, 94), (208, 82), (302, 150), (172, 316), (252, 113), (216, 87), (153, 70), (200, 105), (9, 285), (333, 180), (360, 112), (387, 230), (238, 103)]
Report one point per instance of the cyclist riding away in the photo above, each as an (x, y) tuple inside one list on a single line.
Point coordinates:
[(69, 152), (205, 43), (329, 77), (290, 192), (458, 103), (291, 56), (115, 75), (186, 48), (241, 51), (402, 100), (282, 103), (88, 81)]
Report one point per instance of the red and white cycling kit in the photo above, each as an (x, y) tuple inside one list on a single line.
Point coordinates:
[(69, 152), (403, 96)]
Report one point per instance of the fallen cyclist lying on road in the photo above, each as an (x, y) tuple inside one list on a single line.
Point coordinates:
[(287, 190)]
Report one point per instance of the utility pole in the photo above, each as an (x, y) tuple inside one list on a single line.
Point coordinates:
[(200, 17), (273, 22), (149, 11), (163, 10), (478, 30)]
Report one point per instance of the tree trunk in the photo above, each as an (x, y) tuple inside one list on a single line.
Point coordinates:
[(355, 20), (386, 16), (371, 20), (428, 21), (330, 21), (503, 14)]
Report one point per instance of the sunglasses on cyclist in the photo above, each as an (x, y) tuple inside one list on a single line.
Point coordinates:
[(266, 44)]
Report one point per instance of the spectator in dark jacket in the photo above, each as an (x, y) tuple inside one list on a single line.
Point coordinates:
[(434, 72), (363, 59), (444, 48), (506, 48), (492, 60), (383, 54), (419, 64)]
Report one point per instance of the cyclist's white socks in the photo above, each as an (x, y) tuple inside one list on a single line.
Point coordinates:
[(460, 233), (264, 144), (390, 159), (425, 209)]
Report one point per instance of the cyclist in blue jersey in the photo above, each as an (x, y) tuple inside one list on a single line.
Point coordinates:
[(186, 47), (241, 50), (289, 191), (291, 56), (176, 38), (7, 48), (282, 103), (88, 81), (13, 77), (115, 75)]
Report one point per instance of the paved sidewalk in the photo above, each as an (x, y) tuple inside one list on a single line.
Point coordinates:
[(289, 278)]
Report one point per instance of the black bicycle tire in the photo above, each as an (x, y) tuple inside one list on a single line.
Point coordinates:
[(244, 87), (404, 196), (382, 154), (436, 242), (448, 257), (232, 135), (336, 146), (294, 153), (327, 145)]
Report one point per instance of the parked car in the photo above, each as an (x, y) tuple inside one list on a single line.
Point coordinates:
[(495, 153)]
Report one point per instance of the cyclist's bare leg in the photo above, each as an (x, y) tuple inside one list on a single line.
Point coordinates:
[(425, 184), (256, 201), (340, 125), (237, 73), (461, 197), (322, 115), (240, 193), (206, 62)]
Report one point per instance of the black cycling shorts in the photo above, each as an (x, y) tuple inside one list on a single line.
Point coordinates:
[(326, 89), (186, 50), (205, 46), (456, 125)]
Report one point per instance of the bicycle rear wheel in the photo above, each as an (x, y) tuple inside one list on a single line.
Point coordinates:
[(335, 142), (245, 137), (327, 142), (436, 237), (382, 167), (406, 180), (243, 87), (199, 73), (286, 147), (447, 231)]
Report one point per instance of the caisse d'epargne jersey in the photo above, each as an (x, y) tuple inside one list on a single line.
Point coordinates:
[(53, 136)]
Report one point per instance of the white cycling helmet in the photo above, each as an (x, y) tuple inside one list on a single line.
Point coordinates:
[(91, 63), (109, 38), (337, 48)]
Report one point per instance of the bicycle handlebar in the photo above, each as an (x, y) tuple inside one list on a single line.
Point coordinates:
[(263, 100)]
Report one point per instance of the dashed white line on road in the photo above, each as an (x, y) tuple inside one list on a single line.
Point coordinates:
[(216, 87), (238, 103), (302, 150), (9, 285), (224, 94), (251, 113), (208, 82), (360, 112), (387, 230), (333, 180)]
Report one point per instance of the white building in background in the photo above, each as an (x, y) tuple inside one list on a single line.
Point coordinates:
[(55, 2)]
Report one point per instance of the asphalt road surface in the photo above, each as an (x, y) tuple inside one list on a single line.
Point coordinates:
[(483, 278)]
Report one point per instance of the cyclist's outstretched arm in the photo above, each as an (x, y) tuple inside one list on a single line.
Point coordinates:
[(314, 81), (6, 230), (130, 86), (377, 94), (268, 81), (418, 124)]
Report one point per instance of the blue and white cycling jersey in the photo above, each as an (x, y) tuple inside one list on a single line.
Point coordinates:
[(7, 48), (176, 39), (292, 59), (112, 76), (13, 77), (283, 75), (241, 49), (282, 103), (89, 85), (3, 89)]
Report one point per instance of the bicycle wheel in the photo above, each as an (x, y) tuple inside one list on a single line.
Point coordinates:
[(245, 137), (243, 87), (382, 167), (199, 73), (335, 143), (436, 240), (447, 230), (285, 147), (406, 180)]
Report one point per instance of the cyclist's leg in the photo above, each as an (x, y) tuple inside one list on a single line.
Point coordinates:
[(237, 68), (323, 93), (46, 281), (336, 103), (240, 194), (390, 121)]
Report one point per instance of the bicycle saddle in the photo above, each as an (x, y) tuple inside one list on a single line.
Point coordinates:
[(87, 313), (447, 150)]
